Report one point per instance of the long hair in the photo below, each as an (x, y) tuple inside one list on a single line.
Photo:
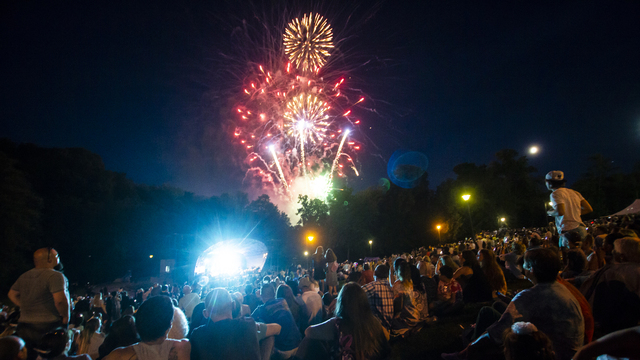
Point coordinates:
[(285, 292), (90, 328), (320, 250), (492, 270), (470, 259), (330, 256), (448, 261), (357, 320)]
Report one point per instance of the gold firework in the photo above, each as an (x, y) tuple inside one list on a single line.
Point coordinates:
[(307, 42), (306, 117)]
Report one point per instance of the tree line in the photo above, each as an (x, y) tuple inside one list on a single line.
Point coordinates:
[(104, 225)]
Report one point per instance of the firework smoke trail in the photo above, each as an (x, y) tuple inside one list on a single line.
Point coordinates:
[(296, 115), (335, 161), (275, 158)]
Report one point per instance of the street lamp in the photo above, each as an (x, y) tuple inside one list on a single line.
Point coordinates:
[(310, 237), (466, 198), (370, 247), (503, 219), (439, 227), (306, 254)]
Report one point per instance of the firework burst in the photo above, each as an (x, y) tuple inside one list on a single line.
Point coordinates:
[(307, 42), (293, 122)]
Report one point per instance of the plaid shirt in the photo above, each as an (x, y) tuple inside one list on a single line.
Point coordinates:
[(381, 300)]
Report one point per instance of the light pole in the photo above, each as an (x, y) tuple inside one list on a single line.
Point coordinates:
[(370, 247), (438, 227), (306, 255), (466, 198)]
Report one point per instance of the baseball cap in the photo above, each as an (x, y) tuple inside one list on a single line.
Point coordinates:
[(304, 282), (555, 175)]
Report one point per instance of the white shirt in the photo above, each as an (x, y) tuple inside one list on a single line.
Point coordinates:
[(188, 302), (314, 303), (572, 209)]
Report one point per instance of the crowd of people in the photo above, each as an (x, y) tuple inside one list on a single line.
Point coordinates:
[(583, 301)]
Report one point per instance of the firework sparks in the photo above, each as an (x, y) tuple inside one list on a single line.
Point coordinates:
[(307, 42), (298, 118)]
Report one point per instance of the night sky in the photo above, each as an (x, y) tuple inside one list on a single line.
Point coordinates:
[(134, 81)]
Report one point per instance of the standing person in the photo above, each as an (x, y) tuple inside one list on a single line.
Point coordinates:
[(568, 206), (332, 275), (319, 264), (43, 296)]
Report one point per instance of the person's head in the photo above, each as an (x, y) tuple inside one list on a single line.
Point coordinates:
[(330, 256), (123, 331), (609, 240), (469, 259), (403, 271), (542, 265), (627, 250), (218, 305), (320, 250), (46, 258), (446, 273), (518, 248), (12, 348), (154, 318), (248, 289), (486, 257), (267, 292), (573, 238), (523, 341), (587, 243), (555, 180), (366, 267), (576, 260), (304, 284), (186, 289), (284, 292), (381, 273), (535, 242), (54, 343)]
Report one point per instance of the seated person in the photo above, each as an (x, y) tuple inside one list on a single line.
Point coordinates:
[(312, 301), (616, 283), (406, 314), (449, 291), (380, 296), (548, 305), (277, 311), (475, 286), (225, 338), (622, 344), (354, 333), (153, 322)]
